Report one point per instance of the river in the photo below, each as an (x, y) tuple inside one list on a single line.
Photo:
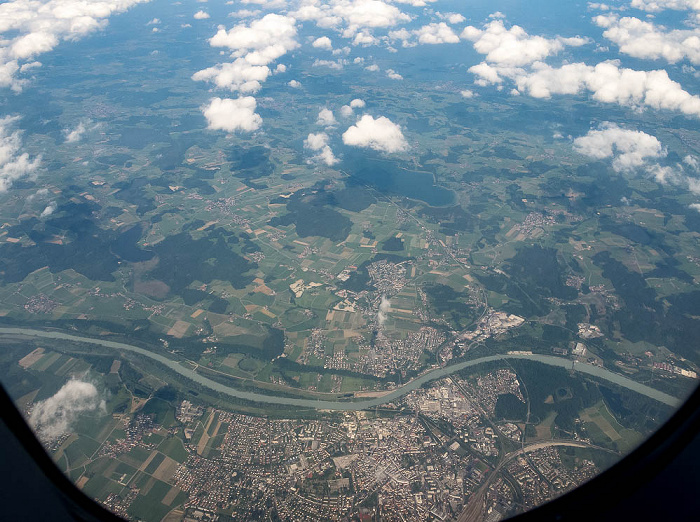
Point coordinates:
[(438, 373)]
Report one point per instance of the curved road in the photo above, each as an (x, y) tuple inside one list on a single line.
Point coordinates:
[(438, 373)]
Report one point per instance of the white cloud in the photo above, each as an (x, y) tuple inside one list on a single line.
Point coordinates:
[(14, 164), (261, 42), (323, 43), (33, 27), (514, 47), (635, 151), (351, 16), (654, 6), (364, 38), (404, 35), (326, 156), (326, 118), (466, 93), (391, 73), (245, 13), (254, 46), (316, 141), (155, 21), (692, 162), (436, 34), (452, 18), (432, 34), (336, 65), (239, 75), (384, 307), (608, 83), (232, 114), (55, 416), (73, 135), (415, 3), (265, 4), (629, 149), (643, 39), (50, 209), (380, 134), (373, 67), (319, 144), (347, 110), (694, 206), (294, 84), (605, 7), (201, 15)]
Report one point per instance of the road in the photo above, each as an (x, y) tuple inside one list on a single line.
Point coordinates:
[(347, 405), (474, 510)]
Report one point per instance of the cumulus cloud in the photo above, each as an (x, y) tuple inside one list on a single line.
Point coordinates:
[(337, 65), (14, 164), (452, 18), (351, 16), (323, 43), (467, 93), (260, 42), (319, 144), (609, 83), (253, 46), (654, 6), (56, 415), (326, 118), (391, 73), (294, 84), (50, 209), (267, 4), (634, 151), (31, 28), (239, 75), (232, 115), (692, 162), (373, 67), (364, 38), (245, 13), (694, 206), (415, 3), (643, 39), (436, 34), (73, 135), (384, 307), (379, 134), (629, 149), (316, 141), (201, 15), (514, 47), (431, 34), (348, 110)]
